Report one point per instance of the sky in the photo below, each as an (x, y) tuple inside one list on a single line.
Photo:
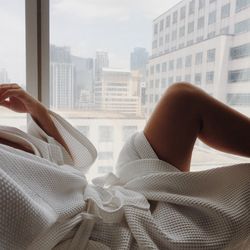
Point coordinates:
[(116, 26)]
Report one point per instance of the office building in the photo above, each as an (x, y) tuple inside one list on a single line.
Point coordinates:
[(101, 61), (207, 43)]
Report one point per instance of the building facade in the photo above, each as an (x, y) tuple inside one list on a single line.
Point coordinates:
[(101, 61), (207, 43), (118, 91), (4, 78)]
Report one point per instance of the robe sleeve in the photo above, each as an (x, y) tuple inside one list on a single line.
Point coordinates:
[(83, 152)]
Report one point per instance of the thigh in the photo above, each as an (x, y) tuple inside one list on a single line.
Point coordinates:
[(174, 126)]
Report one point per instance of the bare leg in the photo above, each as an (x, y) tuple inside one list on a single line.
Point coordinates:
[(184, 113)]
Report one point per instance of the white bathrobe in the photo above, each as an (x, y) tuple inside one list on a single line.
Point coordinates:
[(46, 202)]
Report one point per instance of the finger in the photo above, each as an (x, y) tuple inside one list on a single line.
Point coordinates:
[(5, 87), (10, 93), (6, 104)]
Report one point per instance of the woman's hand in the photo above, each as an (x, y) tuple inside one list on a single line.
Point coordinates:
[(12, 96)]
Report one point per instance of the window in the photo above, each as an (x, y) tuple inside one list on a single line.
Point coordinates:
[(242, 27), (242, 4), (182, 31), (152, 69), (210, 77), (211, 55), (179, 63), (191, 7), (188, 61), (157, 83), (238, 99), (128, 131), (191, 27), (211, 34), (202, 4), (188, 78), (164, 67), (167, 38), (154, 44), (158, 68), (174, 35), (175, 17), (106, 134), (178, 78), (240, 51), (168, 21), (225, 11), (156, 28), (225, 30), (84, 130), (12, 51), (241, 75), (197, 79), (105, 155), (163, 83), (201, 22), (171, 65), (183, 12), (212, 17), (170, 80), (198, 58), (161, 25), (161, 41)]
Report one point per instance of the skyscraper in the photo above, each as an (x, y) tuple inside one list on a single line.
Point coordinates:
[(101, 61), (4, 78), (139, 60), (61, 78)]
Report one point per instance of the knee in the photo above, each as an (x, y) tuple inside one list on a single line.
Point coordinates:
[(182, 92)]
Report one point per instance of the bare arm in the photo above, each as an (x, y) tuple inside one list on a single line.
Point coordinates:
[(12, 96)]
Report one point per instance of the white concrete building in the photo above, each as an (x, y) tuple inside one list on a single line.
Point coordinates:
[(205, 42), (118, 91)]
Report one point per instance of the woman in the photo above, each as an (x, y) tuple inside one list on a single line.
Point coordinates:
[(153, 201)]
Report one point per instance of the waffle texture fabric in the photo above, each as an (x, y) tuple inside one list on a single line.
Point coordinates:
[(47, 203)]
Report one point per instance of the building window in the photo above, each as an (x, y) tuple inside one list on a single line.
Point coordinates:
[(174, 35), (201, 23), (128, 131), (242, 27), (212, 17), (199, 38), (190, 42), (152, 70), (164, 67), (151, 98), (167, 38), (168, 21), (157, 83), (211, 55), (170, 80), (210, 77), (154, 44), (158, 68), (202, 4), (163, 83), (191, 7), (188, 61), (191, 27), (242, 4), (183, 12), (198, 58), (105, 155), (182, 31), (241, 75), (225, 30), (106, 134), (161, 25), (156, 28), (240, 51), (161, 41), (179, 63), (156, 98), (187, 78), (171, 65), (84, 130), (197, 79), (238, 99), (178, 78), (225, 11), (175, 17), (211, 34)]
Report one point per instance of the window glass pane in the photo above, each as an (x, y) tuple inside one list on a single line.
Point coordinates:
[(101, 51), (12, 54)]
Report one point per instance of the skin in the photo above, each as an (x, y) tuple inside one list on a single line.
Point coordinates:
[(186, 113), (13, 97)]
